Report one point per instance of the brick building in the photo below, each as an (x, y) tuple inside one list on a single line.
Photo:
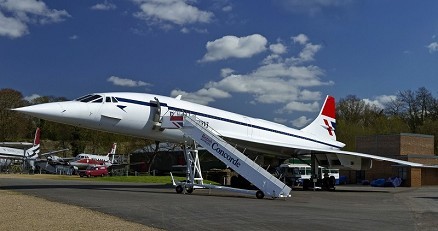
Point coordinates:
[(405, 146)]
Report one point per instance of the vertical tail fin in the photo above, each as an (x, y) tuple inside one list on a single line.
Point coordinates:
[(112, 153), (325, 124), (113, 149), (32, 153), (36, 140)]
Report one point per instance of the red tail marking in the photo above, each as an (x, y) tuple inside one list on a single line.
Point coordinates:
[(329, 109), (329, 128), (37, 137)]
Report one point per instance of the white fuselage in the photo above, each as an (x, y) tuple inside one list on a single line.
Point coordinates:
[(12, 153), (133, 114), (18, 153), (7, 154), (82, 161)]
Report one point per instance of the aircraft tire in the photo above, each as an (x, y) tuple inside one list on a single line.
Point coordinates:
[(189, 190), (179, 189), (260, 194)]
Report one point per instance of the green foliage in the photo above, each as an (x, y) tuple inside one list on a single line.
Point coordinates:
[(13, 126)]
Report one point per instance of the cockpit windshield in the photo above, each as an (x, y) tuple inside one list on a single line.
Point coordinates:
[(90, 98), (96, 99)]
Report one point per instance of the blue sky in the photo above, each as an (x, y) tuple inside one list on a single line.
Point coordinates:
[(276, 60)]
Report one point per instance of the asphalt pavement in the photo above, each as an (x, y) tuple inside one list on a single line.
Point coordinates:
[(157, 205)]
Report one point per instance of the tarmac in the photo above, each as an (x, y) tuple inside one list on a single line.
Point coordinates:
[(74, 204)]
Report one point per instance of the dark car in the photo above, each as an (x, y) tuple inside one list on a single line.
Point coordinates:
[(94, 171)]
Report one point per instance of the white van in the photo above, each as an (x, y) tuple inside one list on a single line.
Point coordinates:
[(304, 171)]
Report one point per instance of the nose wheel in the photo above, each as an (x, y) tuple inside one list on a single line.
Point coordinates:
[(180, 189)]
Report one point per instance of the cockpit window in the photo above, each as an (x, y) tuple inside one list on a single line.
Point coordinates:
[(109, 99), (82, 97), (88, 98), (98, 100)]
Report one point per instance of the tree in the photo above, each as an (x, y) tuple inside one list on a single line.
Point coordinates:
[(13, 126), (413, 107), (355, 118), (351, 108), (357, 111), (425, 103), (434, 110)]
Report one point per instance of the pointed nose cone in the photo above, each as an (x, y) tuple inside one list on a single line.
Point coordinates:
[(48, 111)]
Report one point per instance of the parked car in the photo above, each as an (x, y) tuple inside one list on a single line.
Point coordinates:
[(94, 171)]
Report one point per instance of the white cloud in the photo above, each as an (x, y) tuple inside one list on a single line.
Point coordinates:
[(300, 106), (380, 101), (202, 96), (12, 27), (298, 123), (104, 6), (226, 72), (73, 37), (234, 47), (279, 80), (171, 12), (433, 47), (192, 97), (16, 15), (309, 50), (185, 30), (31, 97), (126, 82), (311, 6), (301, 122), (301, 39), (278, 48), (227, 8), (280, 120)]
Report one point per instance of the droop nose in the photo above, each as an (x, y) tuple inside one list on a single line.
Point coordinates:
[(49, 111)]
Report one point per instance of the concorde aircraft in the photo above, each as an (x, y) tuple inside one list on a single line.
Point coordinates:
[(139, 114)]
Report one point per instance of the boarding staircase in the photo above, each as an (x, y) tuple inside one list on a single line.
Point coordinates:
[(209, 139)]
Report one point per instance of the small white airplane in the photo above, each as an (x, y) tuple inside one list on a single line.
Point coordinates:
[(140, 115), (7, 154), (83, 160)]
